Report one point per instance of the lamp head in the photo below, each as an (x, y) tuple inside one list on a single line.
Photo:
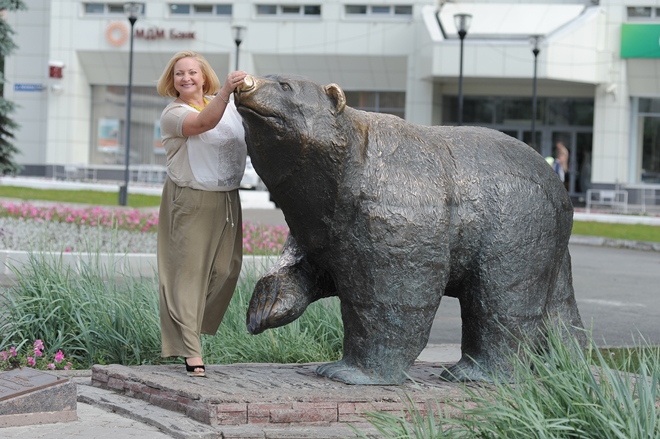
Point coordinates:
[(534, 40), (238, 32), (132, 10), (462, 22)]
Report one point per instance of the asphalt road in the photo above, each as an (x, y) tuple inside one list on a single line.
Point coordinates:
[(618, 295), (617, 290)]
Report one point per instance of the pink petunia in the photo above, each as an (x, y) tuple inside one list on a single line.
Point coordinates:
[(51, 366), (38, 344), (59, 356), (4, 355), (37, 352), (12, 351), (31, 362), (68, 366)]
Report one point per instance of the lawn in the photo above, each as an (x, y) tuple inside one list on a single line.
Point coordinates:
[(97, 198), (636, 232)]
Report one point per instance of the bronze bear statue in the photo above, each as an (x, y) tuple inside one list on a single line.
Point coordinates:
[(391, 216)]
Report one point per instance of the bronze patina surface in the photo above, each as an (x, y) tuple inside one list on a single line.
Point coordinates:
[(391, 216)]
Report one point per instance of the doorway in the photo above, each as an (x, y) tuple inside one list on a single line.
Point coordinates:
[(579, 145)]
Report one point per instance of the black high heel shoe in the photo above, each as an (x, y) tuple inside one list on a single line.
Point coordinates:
[(191, 369)]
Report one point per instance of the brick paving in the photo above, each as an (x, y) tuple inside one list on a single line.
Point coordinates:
[(273, 395)]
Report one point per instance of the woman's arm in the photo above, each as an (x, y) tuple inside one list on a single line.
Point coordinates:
[(197, 123)]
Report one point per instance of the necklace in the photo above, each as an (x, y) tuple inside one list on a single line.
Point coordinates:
[(197, 107)]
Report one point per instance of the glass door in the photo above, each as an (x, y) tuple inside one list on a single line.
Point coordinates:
[(651, 150)]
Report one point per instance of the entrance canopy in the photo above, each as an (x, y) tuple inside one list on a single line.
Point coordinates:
[(508, 20)]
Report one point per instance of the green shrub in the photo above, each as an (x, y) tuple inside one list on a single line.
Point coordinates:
[(561, 393), (96, 315)]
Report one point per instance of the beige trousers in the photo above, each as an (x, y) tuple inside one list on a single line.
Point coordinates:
[(200, 239)]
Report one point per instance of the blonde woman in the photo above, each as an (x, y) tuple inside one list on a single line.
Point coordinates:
[(200, 224)]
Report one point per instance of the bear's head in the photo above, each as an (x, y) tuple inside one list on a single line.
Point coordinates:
[(290, 125)]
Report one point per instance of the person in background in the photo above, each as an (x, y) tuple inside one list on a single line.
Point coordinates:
[(199, 249), (560, 164)]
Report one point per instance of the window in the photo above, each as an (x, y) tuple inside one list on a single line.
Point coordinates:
[(312, 9), (399, 11), (94, 8), (115, 8), (403, 10), (223, 9), (643, 13), (649, 118), (180, 9), (356, 9), (390, 102), (266, 9), (203, 9), (510, 111), (109, 116), (289, 10), (636, 12), (208, 10), (98, 8)]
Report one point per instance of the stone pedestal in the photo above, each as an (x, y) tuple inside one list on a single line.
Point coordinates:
[(29, 397)]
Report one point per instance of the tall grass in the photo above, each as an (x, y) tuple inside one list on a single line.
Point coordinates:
[(563, 392), (97, 316)]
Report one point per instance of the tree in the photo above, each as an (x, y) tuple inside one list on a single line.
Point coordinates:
[(7, 124)]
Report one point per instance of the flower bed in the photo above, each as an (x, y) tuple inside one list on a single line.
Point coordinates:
[(61, 228)]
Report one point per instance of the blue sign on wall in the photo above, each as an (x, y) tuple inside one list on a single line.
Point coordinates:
[(28, 87)]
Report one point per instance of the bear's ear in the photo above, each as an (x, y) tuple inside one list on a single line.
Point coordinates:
[(337, 95)]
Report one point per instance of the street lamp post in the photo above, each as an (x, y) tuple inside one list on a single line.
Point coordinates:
[(131, 9), (462, 22), (238, 39), (535, 50)]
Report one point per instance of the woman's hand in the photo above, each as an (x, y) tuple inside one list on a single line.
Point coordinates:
[(198, 123), (234, 79)]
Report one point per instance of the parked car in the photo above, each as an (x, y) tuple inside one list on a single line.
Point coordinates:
[(251, 179)]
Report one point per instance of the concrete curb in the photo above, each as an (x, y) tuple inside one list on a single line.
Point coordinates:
[(144, 264)]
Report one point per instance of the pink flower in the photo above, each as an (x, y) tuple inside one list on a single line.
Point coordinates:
[(68, 365), (37, 352), (12, 351), (38, 344), (59, 356), (30, 361), (4, 355), (51, 366)]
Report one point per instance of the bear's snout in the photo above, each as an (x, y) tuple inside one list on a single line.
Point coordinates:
[(249, 84)]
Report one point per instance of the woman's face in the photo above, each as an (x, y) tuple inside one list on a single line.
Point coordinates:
[(188, 78)]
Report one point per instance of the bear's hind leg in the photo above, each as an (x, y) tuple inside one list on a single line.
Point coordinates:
[(496, 318), (563, 315)]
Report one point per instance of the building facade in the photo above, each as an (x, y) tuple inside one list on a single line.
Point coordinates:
[(595, 79)]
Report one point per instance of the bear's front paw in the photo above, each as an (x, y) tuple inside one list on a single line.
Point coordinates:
[(277, 300)]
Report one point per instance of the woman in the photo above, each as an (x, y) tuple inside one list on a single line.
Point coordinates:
[(200, 223)]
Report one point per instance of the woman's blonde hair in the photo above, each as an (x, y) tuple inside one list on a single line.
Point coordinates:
[(165, 85)]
